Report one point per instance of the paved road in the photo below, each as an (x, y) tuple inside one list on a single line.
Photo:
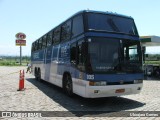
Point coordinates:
[(46, 97)]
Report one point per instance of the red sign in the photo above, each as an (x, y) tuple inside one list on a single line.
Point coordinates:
[(20, 42), (20, 36)]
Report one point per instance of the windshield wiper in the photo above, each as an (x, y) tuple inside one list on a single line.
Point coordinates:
[(113, 25)]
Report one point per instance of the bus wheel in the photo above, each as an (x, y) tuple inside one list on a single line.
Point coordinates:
[(68, 85), (35, 72), (38, 76)]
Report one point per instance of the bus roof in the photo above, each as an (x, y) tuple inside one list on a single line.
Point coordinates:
[(89, 11), (101, 12), (93, 11)]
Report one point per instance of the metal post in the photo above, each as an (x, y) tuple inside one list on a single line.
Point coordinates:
[(20, 55)]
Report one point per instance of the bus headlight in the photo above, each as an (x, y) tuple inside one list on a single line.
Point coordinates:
[(101, 83), (138, 81)]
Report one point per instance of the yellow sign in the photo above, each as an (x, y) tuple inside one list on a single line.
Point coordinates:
[(20, 42)]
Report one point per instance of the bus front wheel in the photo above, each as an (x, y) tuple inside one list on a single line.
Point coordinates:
[(68, 85)]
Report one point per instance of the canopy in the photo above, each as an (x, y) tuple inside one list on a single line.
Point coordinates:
[(150, 40)]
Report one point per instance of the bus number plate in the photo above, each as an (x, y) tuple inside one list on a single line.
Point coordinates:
[(120, 91)]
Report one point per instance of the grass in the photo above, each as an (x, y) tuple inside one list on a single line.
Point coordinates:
[(12, 63), (152, 62)]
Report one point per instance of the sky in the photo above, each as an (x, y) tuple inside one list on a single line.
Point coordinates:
[(37, 17)]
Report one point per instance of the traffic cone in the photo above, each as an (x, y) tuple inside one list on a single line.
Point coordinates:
[(21, 81)]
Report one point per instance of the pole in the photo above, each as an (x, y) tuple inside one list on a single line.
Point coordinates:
[(20, 55)]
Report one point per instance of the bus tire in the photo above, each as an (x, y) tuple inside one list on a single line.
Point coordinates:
[(35, 73), (68, 87), (38, 75)]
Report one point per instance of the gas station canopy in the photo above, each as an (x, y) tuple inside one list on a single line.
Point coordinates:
[(150, 40)]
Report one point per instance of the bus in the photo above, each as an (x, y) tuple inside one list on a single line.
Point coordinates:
[(92, 54)]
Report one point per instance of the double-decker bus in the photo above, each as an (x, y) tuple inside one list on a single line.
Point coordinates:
[(92, 54)]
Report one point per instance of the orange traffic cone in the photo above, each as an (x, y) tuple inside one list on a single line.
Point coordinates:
[(21, 81)]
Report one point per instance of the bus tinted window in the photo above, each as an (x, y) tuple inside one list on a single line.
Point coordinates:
[(44, 42), (66, 31), (81, 55), (111, 23), (49, 39), (73, 53), (77, 26), (36, 45), (40, 43), (32, 47), (56, 38)]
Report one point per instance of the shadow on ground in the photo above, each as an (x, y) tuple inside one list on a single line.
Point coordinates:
[(79, 106), (152, 78)]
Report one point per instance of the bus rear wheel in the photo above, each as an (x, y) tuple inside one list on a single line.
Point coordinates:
[(38, 75), (68, 85)]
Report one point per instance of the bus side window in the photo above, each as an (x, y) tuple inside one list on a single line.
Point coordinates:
[(73, 53), (44, 42), (36, 45), (40, 43), (32, 47), (81, 55), (49, 39), (77, 26), (35, 48), (66, 31), (56, 37)]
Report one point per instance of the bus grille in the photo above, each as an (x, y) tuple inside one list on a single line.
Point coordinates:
[(120, 83)]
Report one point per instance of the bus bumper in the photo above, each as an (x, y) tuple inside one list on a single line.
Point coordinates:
[(113, 90)]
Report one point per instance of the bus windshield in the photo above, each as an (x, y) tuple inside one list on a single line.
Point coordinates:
[(111, 23), (108, 55)]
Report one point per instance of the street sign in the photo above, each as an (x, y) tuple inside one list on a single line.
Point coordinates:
[(20, 36), (20, 42)]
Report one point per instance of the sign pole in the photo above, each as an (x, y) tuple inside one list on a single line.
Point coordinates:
[(20, 55), (20, 42)]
